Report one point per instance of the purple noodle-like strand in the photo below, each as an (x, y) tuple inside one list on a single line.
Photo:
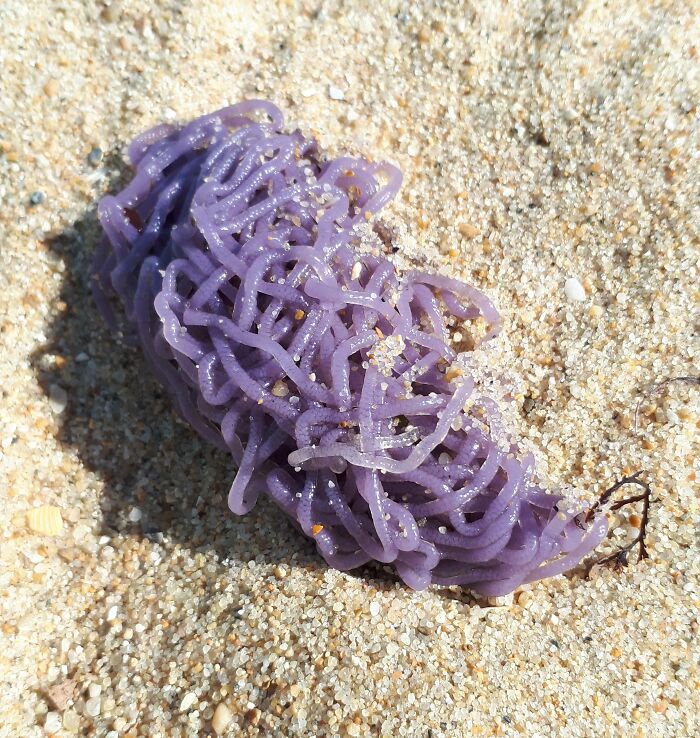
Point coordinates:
[(324, 371)]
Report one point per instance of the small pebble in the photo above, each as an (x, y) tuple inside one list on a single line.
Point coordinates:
[(111, 12), (135, 515), (468, 230), (154, 534), (374, 609), (119, 724), (500, 601), (51, 88), (58, 399), (335, 93), (574, 290), (222, 718), (280, 389), (33, 557), (73, 515), (188, 701), (424, 35), (61, 694), (365, 24), (95, 156), (52, 723), (92, 707), (81, 358), (253, 715), (71, 721), (80, 533), (37, 197)]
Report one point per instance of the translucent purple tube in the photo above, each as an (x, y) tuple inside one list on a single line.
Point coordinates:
[(326, 373)]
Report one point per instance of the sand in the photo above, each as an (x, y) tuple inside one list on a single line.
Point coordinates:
[(541, 142)]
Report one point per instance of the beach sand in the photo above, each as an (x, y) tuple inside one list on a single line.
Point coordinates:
[(541, 142)]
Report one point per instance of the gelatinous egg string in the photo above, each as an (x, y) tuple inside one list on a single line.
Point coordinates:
[(327, 374)]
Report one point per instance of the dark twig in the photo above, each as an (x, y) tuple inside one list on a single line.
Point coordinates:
[(655, 389), (619, 557)]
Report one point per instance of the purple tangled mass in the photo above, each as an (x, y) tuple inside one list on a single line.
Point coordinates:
[(327, 374)]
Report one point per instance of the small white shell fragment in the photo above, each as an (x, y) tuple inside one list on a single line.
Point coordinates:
[(335, 93), (46, 520), (221, 719), (187, 701), (501, 601), (52, 723), (573, 290)]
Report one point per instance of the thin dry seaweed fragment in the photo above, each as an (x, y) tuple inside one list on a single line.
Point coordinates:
[(619, 558)]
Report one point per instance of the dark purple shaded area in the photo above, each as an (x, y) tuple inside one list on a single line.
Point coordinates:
[(322, 370)]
